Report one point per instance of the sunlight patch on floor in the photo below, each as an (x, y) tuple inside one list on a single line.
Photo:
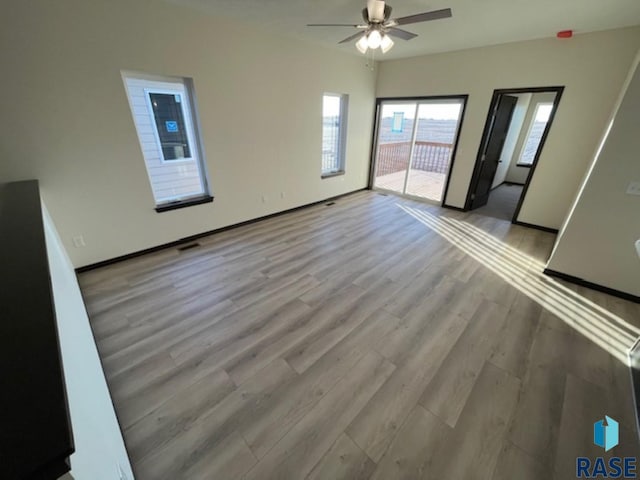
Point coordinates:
[(525, 273)]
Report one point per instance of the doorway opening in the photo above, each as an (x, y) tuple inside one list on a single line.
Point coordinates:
[(518, 123), (415, 143)]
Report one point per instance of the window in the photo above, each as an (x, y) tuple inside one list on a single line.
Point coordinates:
[(534, 136), (170, 125), (167, 128), (334, 133)]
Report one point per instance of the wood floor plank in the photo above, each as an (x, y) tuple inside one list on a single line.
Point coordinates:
[(177, 414), (143, 399), (412, 451), (343, 461), (514, 340), (294, 400), (118, 323), (437, 306), (424, 285), (448, 391), (486, 283), (214, 426), (153, 367), (247, 296), (331, 286), (216, 348), (375, 427), (410, 250), (297, 339), (229, 459), (103, 306), (255, 319), (247, 350), (162, 323), (142, 349), (345, 320), (473, 448), (589, 361), (514, 463), (537, 418), (307, 442), (464, 269)]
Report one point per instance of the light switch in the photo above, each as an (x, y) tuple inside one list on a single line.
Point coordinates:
[(633, 188)]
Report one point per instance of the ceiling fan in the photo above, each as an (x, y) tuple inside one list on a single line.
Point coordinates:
[(378, 26)]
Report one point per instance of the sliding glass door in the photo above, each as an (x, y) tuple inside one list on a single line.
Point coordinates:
[(395, 136), (415, 144)]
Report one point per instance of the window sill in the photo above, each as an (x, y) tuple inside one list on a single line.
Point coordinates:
[(184, 203), (332, 174), (524, 165)]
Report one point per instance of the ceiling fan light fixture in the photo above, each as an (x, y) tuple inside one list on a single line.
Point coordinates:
[(362, 45), (374, 39), (386, 43)]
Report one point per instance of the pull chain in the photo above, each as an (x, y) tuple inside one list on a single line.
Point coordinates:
[(370, 62)]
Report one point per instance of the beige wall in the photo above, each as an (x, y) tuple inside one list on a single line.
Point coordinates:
[(592, 67), (597, 243), (65, 118)]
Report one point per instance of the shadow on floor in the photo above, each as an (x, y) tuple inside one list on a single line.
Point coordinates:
[(502, 202)]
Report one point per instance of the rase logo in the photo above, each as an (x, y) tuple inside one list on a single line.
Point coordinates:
[(606, 436), (605, 433)]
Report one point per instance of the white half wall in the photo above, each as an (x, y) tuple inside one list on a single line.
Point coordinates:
[(100, 452), (67, 120), (591, 66), (598, 241)]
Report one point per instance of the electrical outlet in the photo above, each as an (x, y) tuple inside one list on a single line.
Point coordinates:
[(633, 188), (281, 194), (264, 199), (79, 241)]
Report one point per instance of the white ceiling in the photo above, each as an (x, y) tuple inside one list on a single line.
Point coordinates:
[(475, 23)]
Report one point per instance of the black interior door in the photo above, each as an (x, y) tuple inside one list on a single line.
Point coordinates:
[(493, 149)]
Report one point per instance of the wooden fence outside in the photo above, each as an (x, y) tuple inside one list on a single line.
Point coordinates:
[(427, 156)]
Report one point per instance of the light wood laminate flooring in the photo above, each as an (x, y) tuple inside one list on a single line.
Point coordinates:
[(375, 338)]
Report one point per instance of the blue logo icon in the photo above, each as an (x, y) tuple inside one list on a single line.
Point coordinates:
[(605, 433), (172, 126)]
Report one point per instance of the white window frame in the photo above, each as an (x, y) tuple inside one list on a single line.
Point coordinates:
[(342, 134), (532, 122), (184, 87), (186, 114)]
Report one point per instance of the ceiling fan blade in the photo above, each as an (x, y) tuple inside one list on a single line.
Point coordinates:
[(403, 34), (375, 8), (333, 25), (423, 17), (352, 37), (387, 12)]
